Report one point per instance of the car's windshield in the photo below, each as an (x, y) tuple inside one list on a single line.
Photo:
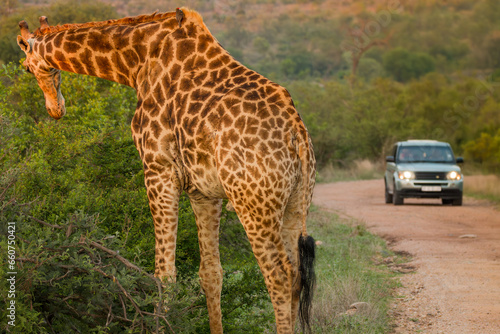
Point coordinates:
[(425, 153)]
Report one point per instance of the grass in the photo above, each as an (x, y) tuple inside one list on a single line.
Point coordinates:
[(483, 186), (357, 170), (346, 274)]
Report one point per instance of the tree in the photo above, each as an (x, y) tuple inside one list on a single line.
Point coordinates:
[(7, 7), (361, 44), (369, 69), (485, 150), (57, 13), (404, 65), (492, 49)]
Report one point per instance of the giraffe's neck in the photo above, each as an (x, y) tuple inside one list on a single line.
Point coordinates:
[(115, 53)]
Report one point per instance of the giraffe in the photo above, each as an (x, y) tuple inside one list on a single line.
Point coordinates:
[(205, 125)]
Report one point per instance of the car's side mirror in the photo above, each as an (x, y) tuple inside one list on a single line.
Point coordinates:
[(389, 158), (460, 160)]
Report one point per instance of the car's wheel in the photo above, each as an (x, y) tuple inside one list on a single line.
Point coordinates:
[(397, 199), (446, 201), (457, 201), (388, 197)]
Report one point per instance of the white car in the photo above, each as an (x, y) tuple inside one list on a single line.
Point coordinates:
[(423, 169)]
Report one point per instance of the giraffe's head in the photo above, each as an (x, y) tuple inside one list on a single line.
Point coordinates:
[(49, 78)]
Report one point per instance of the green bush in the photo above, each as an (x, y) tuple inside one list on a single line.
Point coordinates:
[(485, 151), (403, 65), (85, 239)]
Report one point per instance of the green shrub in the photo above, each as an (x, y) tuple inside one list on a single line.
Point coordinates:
[(85, 238), (404, 65)]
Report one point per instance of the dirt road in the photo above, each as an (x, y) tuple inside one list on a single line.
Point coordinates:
[(456, 251)]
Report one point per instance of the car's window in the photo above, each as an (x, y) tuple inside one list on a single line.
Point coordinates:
[(425, 153), (394, 149)]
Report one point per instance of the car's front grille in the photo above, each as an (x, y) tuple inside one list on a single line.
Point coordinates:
[(422, 184), (430, 176)]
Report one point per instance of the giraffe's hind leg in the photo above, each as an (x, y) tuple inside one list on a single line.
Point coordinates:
[(291, 233), (207, 213), (292, 227), (269, 249), (300, 254)]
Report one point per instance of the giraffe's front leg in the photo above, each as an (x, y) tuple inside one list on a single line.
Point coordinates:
[(163, 193), (207, 213)]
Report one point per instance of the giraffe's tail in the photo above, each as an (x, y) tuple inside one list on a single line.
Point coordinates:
[(307, 250), (308, 172), (307, 245)]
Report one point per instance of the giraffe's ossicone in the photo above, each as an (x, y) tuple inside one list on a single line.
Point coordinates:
[(205, 125)]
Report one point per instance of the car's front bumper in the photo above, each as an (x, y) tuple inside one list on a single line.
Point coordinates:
[(430, 189)]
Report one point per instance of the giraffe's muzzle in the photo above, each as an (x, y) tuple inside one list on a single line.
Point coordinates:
[(54, 100), (56, 109)]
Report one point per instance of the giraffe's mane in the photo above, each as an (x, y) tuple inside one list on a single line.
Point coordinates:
[(131, 20)]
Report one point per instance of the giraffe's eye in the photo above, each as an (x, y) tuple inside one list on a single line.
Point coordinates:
[(28, 69)]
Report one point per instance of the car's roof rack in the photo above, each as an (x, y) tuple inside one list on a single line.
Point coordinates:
[(423, 141)]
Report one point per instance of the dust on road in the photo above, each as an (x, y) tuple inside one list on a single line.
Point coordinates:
[(456, 250)]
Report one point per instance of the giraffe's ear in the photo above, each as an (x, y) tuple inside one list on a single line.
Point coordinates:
[(23, 44)]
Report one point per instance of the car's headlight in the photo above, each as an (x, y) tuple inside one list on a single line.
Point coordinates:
[(406, 175), (455, 176)]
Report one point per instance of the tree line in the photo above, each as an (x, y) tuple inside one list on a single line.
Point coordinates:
[(348, 55)]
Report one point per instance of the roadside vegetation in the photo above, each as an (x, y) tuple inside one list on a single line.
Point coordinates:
[(354, 283), (85, 238), (483, 187), (356, 170), (84, 231)]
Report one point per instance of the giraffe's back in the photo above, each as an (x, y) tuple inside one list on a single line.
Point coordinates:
[(244, 147)]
